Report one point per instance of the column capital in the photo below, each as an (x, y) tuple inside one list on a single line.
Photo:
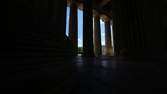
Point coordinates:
[(80, 6), (106, 18), (71, 2), (96, 13)]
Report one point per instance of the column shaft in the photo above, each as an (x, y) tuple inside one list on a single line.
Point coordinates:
[(88, 28), (108, 38), (97, 36), (73, 27)]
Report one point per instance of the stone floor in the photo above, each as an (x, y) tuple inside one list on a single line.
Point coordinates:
[(107, 75), (104, 75)]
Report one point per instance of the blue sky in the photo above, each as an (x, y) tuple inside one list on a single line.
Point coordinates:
[(80, 27)]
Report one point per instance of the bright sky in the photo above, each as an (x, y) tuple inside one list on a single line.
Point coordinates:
[(80, 27)]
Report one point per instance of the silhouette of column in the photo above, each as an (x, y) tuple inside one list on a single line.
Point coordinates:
[(97, 35), (88, 28), (73, 27), (108, 37)]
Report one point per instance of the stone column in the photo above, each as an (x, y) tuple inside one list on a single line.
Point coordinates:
[(108, 37), (88, 28), (97, 35), (73, 27)]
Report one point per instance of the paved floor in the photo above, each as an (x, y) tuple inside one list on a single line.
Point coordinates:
[(107, 75), (104, 75)]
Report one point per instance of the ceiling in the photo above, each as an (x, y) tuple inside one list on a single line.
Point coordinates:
[(104, 7)]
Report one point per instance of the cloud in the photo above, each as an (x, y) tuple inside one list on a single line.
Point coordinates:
[(79, 42), (103, 34), (79, 39), (103, 38), (103, 42), (68, 17)]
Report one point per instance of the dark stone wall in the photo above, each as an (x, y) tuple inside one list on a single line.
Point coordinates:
[(37, 52), (140, 27)]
